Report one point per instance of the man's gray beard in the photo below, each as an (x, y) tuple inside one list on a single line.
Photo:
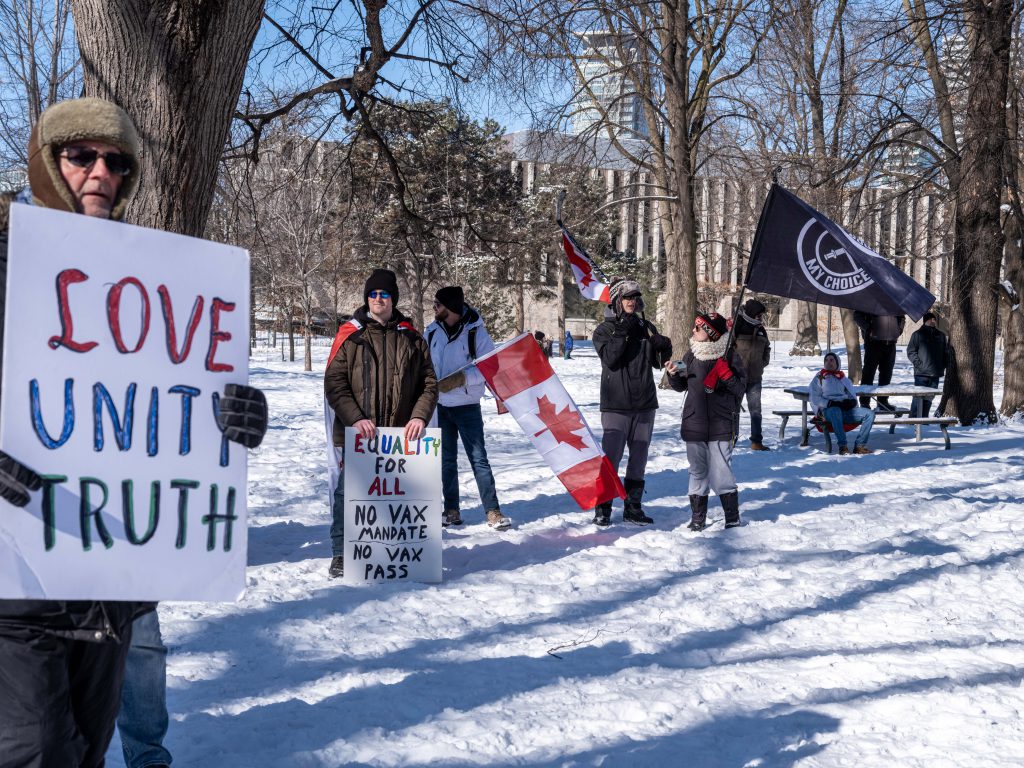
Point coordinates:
[(709, 350)]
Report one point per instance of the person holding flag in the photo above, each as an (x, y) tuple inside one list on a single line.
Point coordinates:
[(378, 374), (714, 381), (630, 348)]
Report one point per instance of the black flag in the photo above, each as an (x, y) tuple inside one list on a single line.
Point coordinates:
[(801, 254)]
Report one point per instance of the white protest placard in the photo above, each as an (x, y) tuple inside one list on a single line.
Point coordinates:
[(118, 342), (392, 506)]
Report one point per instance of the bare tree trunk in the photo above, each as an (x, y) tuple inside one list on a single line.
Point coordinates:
[(291, 336), (805, 338), (177, 69), (1013, 325), (851, 335), (307, 359), (519, 304), (978, 247)]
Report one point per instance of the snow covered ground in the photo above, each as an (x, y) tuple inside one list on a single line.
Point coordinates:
[(870, 613)]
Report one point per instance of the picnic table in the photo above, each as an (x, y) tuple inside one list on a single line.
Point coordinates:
[(890, 418)]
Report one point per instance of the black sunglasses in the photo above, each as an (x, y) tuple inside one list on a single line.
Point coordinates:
[(118, 163)]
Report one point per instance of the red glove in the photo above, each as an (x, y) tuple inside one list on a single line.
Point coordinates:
[(720, 371)]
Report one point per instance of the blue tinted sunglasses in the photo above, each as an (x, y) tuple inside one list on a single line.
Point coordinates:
[(379, 295)]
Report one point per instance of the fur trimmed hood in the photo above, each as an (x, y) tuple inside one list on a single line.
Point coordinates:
[(78, 120)]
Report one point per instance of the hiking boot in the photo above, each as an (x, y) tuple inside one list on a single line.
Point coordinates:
[(496, 520), (758, 446), (844, 450), (337, 568), (861, 450), (603, 514), (698, 513), (633, 513), (731, 505), (451, 517)]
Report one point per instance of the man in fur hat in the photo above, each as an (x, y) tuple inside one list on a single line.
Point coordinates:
[(62, 663), (379, 375), (714, 386), (630, 349), (756, 350), (456, 338)]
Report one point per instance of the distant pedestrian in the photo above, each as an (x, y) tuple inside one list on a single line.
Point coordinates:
[(568, 345), (880, 332), (714, 385), (755, 348), (928, 350), (630, 349), (456, 338)]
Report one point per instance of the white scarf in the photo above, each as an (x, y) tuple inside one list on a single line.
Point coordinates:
[(752, 320), (709, 350)]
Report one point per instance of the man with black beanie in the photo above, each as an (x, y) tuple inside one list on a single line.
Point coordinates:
[(456, 338), (928, 350), (379, 375), (754, 347)]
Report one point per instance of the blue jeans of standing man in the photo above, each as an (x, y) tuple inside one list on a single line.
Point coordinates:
[(466, 422), (922, 406), (338, 517), (836, 417), (142, 721), (754, 406)]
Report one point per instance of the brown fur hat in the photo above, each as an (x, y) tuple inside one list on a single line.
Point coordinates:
[(78, 120)]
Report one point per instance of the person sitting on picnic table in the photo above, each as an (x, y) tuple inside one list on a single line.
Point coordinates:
[(835, 404)]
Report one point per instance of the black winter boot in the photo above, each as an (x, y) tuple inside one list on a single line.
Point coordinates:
[(698, 513), (603, 514), (634, 494), (731, 505)]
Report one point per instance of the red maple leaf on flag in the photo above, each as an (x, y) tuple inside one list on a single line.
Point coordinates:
[(562, 424)]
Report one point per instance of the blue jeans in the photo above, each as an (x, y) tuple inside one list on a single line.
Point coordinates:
[(338, 518), (922, 406), (754, 406), (466, 422), (836, 417), (142, 721)]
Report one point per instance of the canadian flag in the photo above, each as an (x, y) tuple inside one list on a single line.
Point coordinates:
[(584, 270), (522, 378)]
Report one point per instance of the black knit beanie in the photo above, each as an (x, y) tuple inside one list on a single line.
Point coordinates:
[(753, 308), (452, 297), (713, 324), (382, 280)]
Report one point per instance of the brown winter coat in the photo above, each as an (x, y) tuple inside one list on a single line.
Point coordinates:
[(382, 373)]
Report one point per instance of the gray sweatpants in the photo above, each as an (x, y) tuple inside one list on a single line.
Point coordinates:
[(632, 429), (710, 467)]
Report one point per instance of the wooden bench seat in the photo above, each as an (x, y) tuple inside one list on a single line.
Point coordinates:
[(893, 419)]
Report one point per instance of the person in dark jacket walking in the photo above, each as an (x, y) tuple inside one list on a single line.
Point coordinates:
[(928, 350), (380, 376), (62, 662), (714, 383), (630, 349), (880, 332), (753, 346)]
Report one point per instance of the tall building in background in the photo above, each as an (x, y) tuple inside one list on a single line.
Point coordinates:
[(613, 100)]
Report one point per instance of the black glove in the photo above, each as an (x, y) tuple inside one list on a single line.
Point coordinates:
[(243, 415), (16, 480), (662, 345)]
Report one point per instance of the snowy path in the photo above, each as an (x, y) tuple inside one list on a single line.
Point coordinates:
[(869, 614)]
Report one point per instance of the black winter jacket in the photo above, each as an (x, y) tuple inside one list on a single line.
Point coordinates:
[(928, 351), (709, 418), (77, 619), (630, 349), (885, 328), (754, 347)]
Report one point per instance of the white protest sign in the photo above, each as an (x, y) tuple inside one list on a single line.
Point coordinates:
[(392, 506), (118, 342)]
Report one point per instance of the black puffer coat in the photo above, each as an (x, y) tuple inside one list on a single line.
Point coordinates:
[(78, 619), (709, 418), (928, 351), (630, 349)]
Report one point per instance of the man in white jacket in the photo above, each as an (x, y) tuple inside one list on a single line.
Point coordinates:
[(835, 402), (457, 337)]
